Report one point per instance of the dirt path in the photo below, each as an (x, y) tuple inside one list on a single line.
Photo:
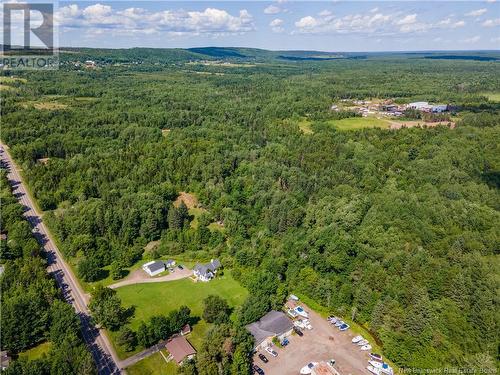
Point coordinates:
[(139, 277)]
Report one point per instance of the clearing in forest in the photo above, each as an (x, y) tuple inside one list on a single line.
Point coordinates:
[(354, 123), (189, 200), (161, 298), (492, 96)]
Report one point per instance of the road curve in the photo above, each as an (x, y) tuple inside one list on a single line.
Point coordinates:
[(106, 360)]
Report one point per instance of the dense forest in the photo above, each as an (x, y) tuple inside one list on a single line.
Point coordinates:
[(396, 229), (32, 307)]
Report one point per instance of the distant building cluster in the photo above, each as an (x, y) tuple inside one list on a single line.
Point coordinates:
[(387, 107)]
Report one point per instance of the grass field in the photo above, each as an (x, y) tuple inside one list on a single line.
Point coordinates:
[(355, 123), (493, 96), (305, 126), (153, 365), (37, 351), (161, 298)]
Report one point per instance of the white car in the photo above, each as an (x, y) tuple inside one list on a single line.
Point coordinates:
[(299, 323), (271, 351), (300, 310), (363, 342), (307, 325), (307, 369), (366, 347), (357, 339)]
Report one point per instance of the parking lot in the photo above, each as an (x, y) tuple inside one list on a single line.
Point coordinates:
[(322, 343)]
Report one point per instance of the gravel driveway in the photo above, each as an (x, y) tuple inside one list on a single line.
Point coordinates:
[(138, 276), (322, 343)]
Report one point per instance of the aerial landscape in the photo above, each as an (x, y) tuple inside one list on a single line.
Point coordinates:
[(279, 188)]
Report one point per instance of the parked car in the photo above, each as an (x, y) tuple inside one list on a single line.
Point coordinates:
[(366, 347), (263, 358), (271, 351), (298, 331), (357, 339), (299, 310), (258, 370), (344, 327), (376, 357), (331, 362), (180, 267), (285, 342), (338, 323)]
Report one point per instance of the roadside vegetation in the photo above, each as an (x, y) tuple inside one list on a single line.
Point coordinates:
[(397, 230), (39, 330)]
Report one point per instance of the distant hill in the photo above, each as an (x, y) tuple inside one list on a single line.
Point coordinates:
[(179, 55)]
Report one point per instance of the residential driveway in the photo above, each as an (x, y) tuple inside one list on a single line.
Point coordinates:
[(322, 343), (139, 276)]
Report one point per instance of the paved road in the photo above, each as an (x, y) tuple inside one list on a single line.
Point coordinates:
[(139, 277), (98, 343)]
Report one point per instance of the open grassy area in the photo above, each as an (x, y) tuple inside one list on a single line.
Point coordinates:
[(493, 96), (36, 352), (12, 79), (305, 126), (153, 365), (161, 298), (355, 123)]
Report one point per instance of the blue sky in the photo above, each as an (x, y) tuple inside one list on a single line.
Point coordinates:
[(281, 25)]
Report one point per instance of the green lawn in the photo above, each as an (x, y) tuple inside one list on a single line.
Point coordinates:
[(493, 96), (37, 351), (305, 126), (153, 365), (354, 123), (161, 298)]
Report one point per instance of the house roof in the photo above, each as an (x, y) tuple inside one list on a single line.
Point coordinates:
[(214, 264), (155, 266), (274, 323), (179, 348), (204, 269)]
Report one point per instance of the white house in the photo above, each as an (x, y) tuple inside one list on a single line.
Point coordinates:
[(155, 267), (170, 263), (206, 272)]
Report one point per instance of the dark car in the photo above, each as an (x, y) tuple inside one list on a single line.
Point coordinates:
[(180, 267), (263, 358), (298, 331), (258, 370)]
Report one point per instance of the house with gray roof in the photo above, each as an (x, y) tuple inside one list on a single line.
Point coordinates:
[(206, 272), (155, 267), (273, 324)]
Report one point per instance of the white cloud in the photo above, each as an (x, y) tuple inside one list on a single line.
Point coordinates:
[(272, 9), (374, 10), (276, 25), (491, 1), (375, 23), (96, 17), (491, 23), (407, 20), (477, 12), (325, 13), (307, 23), (471, 40), (496, 40)]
